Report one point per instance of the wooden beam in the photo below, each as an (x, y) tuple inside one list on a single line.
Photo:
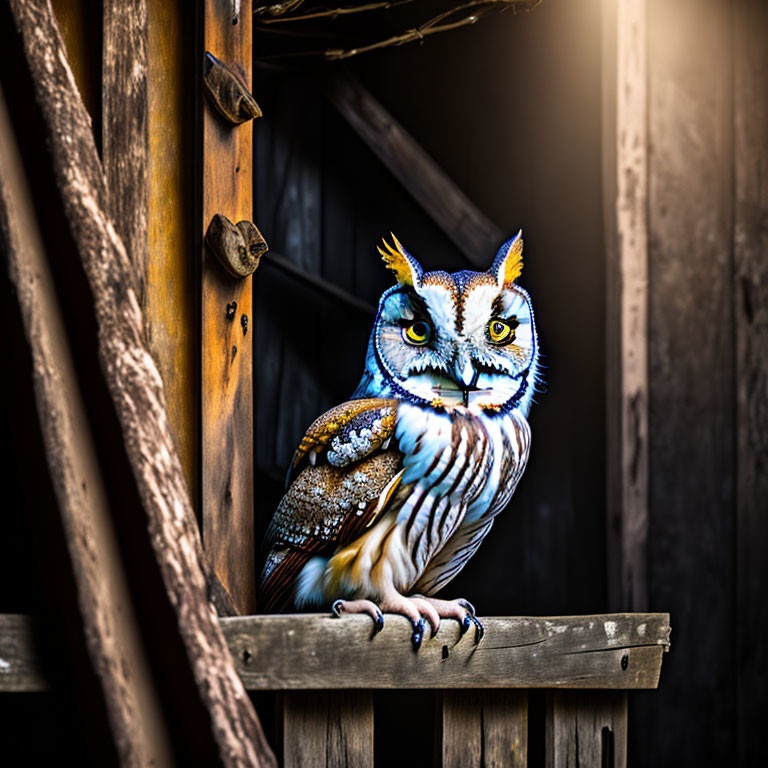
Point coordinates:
[(171, 287), (122, 371), (106, 609), (750, 296), (484, 728), (327, 729), (625, 182), (612, 651), (227, 357), (587, 729), (473, 233), (314, 651)]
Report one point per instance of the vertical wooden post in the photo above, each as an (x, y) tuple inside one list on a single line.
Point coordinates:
[(324, 729), (170, 293), (227, 390), (586, 728), (750, 292), (485, 728), (125, 135), (625, 193)]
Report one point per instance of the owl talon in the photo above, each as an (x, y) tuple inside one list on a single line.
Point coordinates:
[(418, 634), (479, 628), (467, 606), (465, 624), (360, 606)]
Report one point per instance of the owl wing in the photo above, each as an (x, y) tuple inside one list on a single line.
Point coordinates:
[(341, 478)]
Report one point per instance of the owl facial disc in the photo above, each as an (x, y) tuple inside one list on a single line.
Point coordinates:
[(462, 339)]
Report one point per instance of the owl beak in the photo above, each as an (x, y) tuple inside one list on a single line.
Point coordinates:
[(465, 374)]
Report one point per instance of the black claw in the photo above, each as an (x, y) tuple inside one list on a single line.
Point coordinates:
[(467, 606), (378, 625), (419, 628), (336, 608), (479, 628), (465, 624)]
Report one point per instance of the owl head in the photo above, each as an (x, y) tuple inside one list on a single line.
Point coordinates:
[(465, 338)]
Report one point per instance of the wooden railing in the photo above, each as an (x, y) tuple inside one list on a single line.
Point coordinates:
[(328, 669)]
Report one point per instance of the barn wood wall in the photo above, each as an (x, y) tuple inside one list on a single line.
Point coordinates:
[(324, 201)]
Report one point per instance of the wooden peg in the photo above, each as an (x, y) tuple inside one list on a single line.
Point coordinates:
[(238, 247), (228, 91)]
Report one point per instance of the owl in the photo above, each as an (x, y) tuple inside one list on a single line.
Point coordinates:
[(390, 493)]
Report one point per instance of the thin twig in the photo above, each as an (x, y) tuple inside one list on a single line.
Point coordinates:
[(333, 13), (477, 9)]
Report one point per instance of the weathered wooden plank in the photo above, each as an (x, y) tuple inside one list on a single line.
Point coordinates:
[(485, 729), (692, 436), (750, 291), (587, 729), (170, 292), (310, 651), (625, 183), (327, 729), (473, 233), (105, 606), (227, 355), (133, 415), (125, 142), (317, 651)]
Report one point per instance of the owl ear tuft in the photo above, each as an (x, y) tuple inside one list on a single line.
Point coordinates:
[(508, 264), (407, 270)]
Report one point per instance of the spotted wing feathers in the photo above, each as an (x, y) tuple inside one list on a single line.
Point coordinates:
[(335, 495)]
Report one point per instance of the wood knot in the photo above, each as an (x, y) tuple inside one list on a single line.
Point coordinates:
[(238, 247), (228, 91)]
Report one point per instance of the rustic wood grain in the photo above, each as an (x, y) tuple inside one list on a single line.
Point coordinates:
[(316, 651), (103, 594), (311, 652), (476, 236), (586, 729), (80, 24), (227, 356), (327, 729), (625, 186), (125, 143), (692, 435), (170, 293), (750, 292), (487, 729), (135, 388)]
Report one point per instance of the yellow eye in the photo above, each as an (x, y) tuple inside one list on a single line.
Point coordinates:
[(417, 333), (501, 331)]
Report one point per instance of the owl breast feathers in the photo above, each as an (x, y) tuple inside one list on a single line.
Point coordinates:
[(390, 493)]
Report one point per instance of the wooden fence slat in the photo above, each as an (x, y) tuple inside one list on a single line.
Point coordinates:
[(227, 386), (474, 234), (487, 729), (586, 729), (328, 729)]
